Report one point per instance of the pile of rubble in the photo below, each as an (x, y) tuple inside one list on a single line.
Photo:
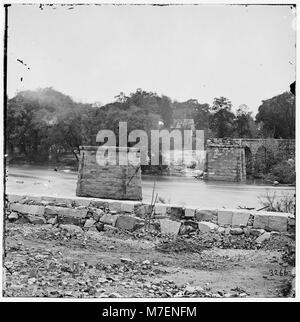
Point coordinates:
[(42, 272)]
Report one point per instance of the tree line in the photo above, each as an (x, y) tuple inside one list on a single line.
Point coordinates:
[(45, 124)]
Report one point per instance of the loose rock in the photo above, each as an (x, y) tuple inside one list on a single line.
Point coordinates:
[(71, 229), (130, 223), (35, 220), (13, 216), (236, 231), (263, 237), (109, 219), (168, 226), (205, 227), (89, 223)]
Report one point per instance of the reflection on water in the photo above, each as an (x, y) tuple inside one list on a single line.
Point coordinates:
[(182, 191), (192, 192)]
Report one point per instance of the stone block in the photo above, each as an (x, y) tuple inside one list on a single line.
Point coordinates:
[(24, 201), (99, 203), (59, 201), (109, 219), (205, 226), (261, 221), (89, 223), (256, 232), (206, 214), (278, 223), (271, 221), (225, 217), (236, 231), (221, 230), (82, 202), (97, 214), (13, 216), (66, 215), (240, 219), (127, 207), (128, 222), (67, 201), (52, 221), (50, 210), (109, 228), (161, 209), (142, 210), (176, 213), (14, 198), (115, 206), (71, 229), (34, 199), (189, 212), (36, 220), (168, 226), (49, 199), (263, 237), (27, 209)]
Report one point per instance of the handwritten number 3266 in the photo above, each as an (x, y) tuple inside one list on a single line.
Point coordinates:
[(281, 272)]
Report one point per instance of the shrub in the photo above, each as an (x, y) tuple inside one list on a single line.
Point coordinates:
[(285, 203), (284, 172)]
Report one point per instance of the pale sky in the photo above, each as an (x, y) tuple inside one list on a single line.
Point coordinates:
[(92, 53)]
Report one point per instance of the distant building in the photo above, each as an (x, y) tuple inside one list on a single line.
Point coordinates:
[(183, 124)]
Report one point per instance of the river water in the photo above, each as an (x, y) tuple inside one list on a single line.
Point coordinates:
[(37, 180)]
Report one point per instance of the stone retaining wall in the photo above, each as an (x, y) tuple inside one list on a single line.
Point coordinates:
[(130, 215)]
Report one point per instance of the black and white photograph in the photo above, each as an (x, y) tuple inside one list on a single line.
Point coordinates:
[(149, 152)]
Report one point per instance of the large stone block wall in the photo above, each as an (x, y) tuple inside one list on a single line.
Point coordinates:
[(45, 209), (225, 162), (113, 181), (273, 145)]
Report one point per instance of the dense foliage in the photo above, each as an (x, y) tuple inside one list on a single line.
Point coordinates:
[(278, 116), (45, 125)]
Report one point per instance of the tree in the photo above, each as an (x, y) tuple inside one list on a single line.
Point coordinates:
[(25, 127), (42, 121), (165, 110), (221, 103), (277, 116), (201, 116), (222, 119), (244, 123), (68, 133)]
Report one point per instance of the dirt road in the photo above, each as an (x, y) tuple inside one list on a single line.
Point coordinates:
[(44, 261)]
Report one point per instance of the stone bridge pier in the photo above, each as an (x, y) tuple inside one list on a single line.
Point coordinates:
[(234, 159), (110, 178), (225, 162)]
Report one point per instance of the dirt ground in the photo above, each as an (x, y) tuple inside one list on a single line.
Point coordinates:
[(44, 261)]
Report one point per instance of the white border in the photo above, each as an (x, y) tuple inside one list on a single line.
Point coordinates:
[(168, 300)]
